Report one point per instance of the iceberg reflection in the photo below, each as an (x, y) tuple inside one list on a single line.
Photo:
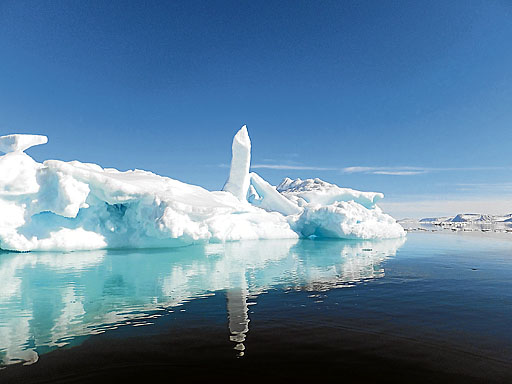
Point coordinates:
[(48, 300)]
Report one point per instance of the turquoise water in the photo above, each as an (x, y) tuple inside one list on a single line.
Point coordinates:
[(440, 288)]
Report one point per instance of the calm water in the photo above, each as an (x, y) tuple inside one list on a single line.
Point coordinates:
[(441, 300)]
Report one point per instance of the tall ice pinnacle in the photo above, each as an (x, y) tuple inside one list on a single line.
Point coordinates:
[(19, 142), (239, 179)]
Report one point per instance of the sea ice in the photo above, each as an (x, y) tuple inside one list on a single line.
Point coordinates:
[(57, 205)]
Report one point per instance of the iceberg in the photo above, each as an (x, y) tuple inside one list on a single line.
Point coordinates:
[(70, 206)]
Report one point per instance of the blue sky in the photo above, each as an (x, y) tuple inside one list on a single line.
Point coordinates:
[(412, 99)]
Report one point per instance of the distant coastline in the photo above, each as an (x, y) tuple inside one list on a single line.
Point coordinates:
[(462, 222)]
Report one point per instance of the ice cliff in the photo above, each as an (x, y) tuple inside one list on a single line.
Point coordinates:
[(57, 205)]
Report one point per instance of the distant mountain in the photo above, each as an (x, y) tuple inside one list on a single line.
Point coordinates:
[(471, 218), (461, 218), (427, 219)]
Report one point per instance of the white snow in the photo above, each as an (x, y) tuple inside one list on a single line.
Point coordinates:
[(57, 205)]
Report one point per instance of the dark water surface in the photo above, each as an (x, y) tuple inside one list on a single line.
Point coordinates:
[(432, 308)]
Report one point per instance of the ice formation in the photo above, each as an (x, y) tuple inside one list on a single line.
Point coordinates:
[(57, 205), (19, 143), (238, 182)]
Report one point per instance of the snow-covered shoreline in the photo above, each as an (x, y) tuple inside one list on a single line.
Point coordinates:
[(462, 222), (57, 205)]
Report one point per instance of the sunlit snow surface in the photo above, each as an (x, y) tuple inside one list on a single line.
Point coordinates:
[(57, 205)]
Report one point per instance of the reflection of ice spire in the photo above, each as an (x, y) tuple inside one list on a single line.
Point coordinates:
[(238, 316)]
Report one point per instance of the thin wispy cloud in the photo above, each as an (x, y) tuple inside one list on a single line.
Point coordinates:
[(377, 170), (395, 171), (504, 184), (410, 170), (496, 187), (398, 173), (292, 167)]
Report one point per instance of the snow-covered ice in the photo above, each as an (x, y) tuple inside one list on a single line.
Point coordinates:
[(57, 205), (316, 191), (19, 143), (267, 197), (331, 211)]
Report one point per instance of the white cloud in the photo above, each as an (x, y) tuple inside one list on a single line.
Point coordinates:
[(405, 170), (398, 173), (411, 170), (292, 167), (506, 186), (400, 170)]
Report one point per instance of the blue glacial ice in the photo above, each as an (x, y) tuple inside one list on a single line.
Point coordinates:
[(57, 205)]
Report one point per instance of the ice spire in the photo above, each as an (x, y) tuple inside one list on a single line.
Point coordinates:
[(239, 179)]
